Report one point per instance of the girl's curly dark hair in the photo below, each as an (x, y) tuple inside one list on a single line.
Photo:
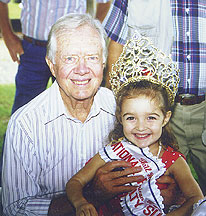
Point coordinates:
[(153, 91)]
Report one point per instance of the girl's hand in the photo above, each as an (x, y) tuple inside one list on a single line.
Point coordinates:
[(86, 209)]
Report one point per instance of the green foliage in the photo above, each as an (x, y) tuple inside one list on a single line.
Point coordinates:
[(192, 168), (6, 101), (14, 10)]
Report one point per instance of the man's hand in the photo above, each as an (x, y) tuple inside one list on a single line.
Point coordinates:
[(108, 183), (114, 51)]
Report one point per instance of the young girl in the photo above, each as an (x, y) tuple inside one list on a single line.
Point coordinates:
[(141, 135)]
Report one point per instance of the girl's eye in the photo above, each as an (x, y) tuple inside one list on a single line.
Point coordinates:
[(130, 118), (151, 118)]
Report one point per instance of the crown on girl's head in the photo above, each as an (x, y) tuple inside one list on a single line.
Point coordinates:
[(140, 60)]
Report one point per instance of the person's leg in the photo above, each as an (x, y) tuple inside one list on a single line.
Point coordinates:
[(198, 149), (32, 76), (187, 124), (178, 128)]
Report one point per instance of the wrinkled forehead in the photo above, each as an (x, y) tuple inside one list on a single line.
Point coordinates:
[(82, 39)]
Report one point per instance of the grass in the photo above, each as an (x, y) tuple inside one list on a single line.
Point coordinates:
[(14, 10), (6, 101)]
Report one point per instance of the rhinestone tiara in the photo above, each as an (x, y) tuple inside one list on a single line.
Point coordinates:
[(141, 60)]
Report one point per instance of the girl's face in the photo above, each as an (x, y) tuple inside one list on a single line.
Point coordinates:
[(142, 121)]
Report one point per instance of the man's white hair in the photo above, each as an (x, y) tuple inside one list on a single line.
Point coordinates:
[(69, 23)]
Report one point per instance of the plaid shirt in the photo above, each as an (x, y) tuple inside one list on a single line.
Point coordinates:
[(38, 16), (189, 46)]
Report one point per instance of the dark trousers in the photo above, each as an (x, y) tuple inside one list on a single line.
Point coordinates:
[(32, 75)]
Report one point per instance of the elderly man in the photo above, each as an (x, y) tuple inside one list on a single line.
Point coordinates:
[(37, 17), (49, 139)]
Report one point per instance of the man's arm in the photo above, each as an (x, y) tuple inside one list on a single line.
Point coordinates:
[(101, 10), (105, 185), (114, 51), (21, 173), (11, 40)]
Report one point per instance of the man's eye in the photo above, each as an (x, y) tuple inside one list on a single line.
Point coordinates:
[(92, 58), (70, 59)]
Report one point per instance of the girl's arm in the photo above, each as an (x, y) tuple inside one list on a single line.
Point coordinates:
[(191, 190), (76, 184)]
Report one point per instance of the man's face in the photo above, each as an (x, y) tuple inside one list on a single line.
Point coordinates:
[(79, 64)]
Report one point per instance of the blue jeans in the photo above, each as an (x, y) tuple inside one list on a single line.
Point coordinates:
[(32, 75)]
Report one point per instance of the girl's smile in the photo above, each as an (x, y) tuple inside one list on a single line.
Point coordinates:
[(142, 121)]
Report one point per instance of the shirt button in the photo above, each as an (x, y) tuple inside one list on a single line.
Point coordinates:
[(188, 57), (188, 34), (187, 10), (52, 11)]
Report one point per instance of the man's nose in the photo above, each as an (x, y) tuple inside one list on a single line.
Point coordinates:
[(82, 66)]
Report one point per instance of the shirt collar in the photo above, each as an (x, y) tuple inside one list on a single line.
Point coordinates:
[(56, 106), (103, 101)]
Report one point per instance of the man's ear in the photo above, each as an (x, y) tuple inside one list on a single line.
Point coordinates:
[(167, 118), (104, 65), (51, 66)]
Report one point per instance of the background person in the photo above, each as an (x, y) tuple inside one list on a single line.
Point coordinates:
[(37, 18), (188, 51)]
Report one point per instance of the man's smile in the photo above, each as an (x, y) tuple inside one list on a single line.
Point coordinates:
[(81, 82)]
